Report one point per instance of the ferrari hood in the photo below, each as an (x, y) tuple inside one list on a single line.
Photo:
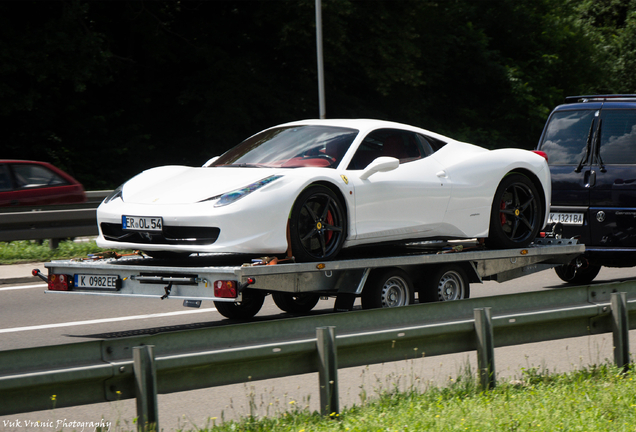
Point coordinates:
[(187, 185)]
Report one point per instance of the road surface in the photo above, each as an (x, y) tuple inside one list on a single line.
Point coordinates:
[(32, 318)]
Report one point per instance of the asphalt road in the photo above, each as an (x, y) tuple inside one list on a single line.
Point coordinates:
[(30, 317)]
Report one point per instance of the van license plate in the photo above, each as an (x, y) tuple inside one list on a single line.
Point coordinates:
[(566, 218)]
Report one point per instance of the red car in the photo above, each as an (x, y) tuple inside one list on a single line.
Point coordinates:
[(30, 183)]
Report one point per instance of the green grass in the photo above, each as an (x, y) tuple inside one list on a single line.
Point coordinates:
[(599, 398), (25, 251)]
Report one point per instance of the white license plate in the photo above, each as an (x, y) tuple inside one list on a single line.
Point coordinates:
[(141, 223), (566, 218), (106, 282)]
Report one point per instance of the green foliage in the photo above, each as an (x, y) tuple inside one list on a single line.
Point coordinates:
[(32, 251), (600, 398), (106, 89), (611, 25)]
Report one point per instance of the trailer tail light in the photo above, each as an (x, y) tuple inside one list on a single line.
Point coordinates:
[(225, 289), (543, 154), (60, 282)]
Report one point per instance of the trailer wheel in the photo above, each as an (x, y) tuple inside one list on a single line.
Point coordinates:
[(245, 309), (448, 283), (388, 288), (295, 302)]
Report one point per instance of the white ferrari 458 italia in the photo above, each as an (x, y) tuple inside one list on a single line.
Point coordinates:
[(311, 188)]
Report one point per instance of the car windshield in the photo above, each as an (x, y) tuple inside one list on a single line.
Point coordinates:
[(291, 147), (566, 136)]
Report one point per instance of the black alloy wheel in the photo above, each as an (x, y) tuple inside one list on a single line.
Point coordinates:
[(516, 215), (317, 225)]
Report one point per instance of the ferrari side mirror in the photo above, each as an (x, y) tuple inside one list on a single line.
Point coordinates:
[(381, 164)]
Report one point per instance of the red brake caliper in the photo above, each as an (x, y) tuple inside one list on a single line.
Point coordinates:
[(501, 215), (329, 221)]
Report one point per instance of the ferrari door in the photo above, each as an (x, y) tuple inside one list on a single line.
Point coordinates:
[(406, 202)]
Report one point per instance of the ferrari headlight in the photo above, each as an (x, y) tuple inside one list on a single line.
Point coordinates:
[(117, 193), (237, 194)]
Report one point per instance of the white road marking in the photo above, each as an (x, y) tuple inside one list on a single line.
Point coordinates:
[(17, 287), (105, 320)]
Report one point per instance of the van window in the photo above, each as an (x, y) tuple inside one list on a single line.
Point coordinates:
[(618, 137)]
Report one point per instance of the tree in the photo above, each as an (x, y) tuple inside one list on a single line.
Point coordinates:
[(106, 89), (49, 56)]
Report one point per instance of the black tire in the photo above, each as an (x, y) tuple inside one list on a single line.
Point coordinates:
[(295, 302), (318, 225), (577, 274), (516, 215), (250, 305), (388, 288), (446, 284)]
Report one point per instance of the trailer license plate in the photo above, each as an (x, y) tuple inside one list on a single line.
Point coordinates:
[(141, 223), (102, 282), (566, 218)]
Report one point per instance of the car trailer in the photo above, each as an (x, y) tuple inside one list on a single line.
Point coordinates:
[(433, 270)]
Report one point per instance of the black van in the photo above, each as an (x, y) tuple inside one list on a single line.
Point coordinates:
[(590, 142)]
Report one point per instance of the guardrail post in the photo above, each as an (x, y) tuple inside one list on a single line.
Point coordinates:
[(146, 388), (620, 329), (327, 370), (485, 348)]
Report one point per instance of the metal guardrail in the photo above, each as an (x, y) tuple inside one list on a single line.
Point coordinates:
[(55, 222), (104, 370)]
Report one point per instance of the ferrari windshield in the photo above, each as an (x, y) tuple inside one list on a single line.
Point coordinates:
[(292, 147)]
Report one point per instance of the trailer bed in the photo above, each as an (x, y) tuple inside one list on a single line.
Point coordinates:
[(194, 277)]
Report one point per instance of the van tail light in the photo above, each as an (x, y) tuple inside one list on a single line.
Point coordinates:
[(225, 289), (60, 282), (542, 154)]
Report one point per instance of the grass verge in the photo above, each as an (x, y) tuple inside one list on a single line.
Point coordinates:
[(599, 398), (25, 251)]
